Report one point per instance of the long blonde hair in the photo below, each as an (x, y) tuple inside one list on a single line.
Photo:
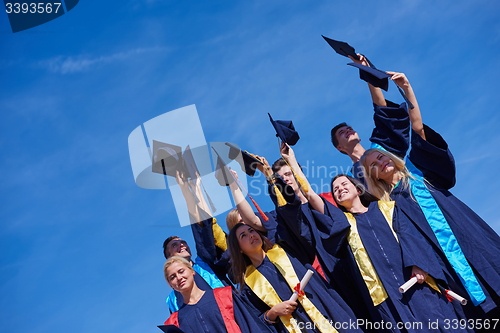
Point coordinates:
[(379, 187)]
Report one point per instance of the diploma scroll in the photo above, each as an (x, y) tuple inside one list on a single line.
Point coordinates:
[(407, 285), (450, 294), (303, 284)]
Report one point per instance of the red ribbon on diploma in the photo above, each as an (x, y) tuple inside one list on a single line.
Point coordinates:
[(300, 293)]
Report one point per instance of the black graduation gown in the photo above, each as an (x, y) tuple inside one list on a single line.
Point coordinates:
[(326, 300), (205, 316), (478, 241)]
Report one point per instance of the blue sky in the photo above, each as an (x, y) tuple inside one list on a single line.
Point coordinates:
[(81, 243)]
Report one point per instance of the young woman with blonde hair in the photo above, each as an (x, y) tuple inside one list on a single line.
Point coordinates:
[(420, 187), (213, 310)]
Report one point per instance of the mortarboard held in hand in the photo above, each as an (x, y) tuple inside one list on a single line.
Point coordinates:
[(190, 164), (167, 159), (345, 49), (193, 172), (378, 78), (373, 76), (222, 172), (246, 160), (285, 131), (341, 48)]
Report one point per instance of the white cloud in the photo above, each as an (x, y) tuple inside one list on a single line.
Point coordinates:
[(82, 63)]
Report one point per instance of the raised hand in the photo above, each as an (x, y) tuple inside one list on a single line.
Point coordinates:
[(400, 79), (362, 60)]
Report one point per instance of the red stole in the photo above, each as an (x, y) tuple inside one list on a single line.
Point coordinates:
[(224, 298)]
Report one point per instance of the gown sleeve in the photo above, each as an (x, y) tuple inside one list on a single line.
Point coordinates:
[(433, 158), (209, 236), (248, 318), (392, 128)]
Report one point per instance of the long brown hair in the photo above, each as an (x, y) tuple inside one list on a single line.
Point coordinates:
[(239, 260)]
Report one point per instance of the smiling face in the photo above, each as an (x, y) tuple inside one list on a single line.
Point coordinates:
[(344, 191), (249, 240), (286, 173), (178, 247), (346, 137), (380, 166), (179, 276)]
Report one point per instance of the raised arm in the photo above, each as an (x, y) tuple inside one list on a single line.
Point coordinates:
[(189, 196), (244, 207), (202, 205), (376, 93), (314, 199), (415, 116)]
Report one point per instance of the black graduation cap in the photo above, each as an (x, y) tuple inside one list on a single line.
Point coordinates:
[(246, 160), (341, 48), (285, 131), (222, 172), (375, 77), (190, 164), (170, 329), (166, 159), (378, 78)]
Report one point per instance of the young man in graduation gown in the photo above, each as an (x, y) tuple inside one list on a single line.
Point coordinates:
[(391, 131)]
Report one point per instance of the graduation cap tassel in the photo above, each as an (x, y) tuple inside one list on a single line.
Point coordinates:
[(279, 196), (264, 216), (303, 185), (405, 98)]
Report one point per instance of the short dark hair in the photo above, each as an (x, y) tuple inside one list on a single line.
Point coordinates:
[(278, 165), (165, 243), (333, 134)]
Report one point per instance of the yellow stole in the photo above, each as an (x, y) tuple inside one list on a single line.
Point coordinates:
[(265, 291), (375, 287), (368, 272), (219, 235)]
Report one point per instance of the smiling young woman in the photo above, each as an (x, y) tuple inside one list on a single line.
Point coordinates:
[(469, 248), (268, 276), (213, 310)]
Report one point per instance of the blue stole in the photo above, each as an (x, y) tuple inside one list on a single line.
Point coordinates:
[(202, 269), (444, 235), (442, 230)]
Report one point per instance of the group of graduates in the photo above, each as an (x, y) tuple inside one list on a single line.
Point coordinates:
[(391, 220)]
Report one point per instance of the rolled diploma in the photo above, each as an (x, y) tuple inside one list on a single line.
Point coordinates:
[(303, 284), (459, 298), (407, 285)]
